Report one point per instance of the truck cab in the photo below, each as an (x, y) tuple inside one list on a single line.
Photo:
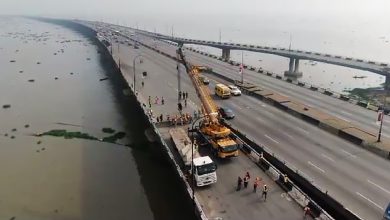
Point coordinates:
[(204, 171)]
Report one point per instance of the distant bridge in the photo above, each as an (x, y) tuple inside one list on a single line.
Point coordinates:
[(293, 55)]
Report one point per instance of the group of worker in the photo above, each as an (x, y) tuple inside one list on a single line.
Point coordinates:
[(256, 183)]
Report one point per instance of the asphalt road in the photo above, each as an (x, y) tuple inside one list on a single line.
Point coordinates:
[(358, 179), (220, 199), (362, 117)]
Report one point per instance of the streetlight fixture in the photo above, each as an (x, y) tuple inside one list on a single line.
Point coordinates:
[(134, 71), (192, 158)]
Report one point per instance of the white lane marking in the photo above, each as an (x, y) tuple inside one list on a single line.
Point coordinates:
[(341, 117), (288, 135), (327, 157), (259, 119), (349, 154), (380, 187), (271, 139), (347, 113), (303, 130), (312, 164), (372, 202)]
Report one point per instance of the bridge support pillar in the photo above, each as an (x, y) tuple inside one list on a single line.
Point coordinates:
[(387, 83), (293, 70), (225, 54)]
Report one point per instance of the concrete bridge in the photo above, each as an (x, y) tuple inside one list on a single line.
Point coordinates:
[(294, 55)]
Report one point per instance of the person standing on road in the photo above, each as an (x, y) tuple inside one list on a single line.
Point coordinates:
[(256, 184), (156, 100), (239, 183), (306, 212), (150, 102), (246, 181), (185, 102), (179, 95), (162, 100), (265, 191)]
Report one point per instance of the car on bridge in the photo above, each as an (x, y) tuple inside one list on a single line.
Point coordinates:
[(386, 215), (226, 113), (234, 90)]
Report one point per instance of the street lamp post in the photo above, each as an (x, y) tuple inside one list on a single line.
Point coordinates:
[(134, 71), (192, 158)]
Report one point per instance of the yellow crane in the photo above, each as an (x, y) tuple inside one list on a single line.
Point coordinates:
[(211, 130)]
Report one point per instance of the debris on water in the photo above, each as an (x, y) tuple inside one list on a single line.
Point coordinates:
[(88, 58), (102, 79), (12, 218), (108, 130), (55, 53), (6, 135), (55, 78), (71, 73), (20, 71), (14, 129), (39, 142), (38, 62), (26, 125), (12, 61), (12, 137), (42, 149), (31, 80), (38, 151), (7, 106)]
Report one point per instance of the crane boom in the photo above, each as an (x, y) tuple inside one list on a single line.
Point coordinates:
[(217, 134)]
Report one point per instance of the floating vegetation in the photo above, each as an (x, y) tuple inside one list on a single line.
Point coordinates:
[(115, 137), (26, 125), (12, 137), (108, 130), (12, 61), (31, 80), (7, 106), (39, 142), (14, 129), (76, 134), (68, 134)]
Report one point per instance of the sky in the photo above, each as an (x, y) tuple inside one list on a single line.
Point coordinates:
[(347, 23)]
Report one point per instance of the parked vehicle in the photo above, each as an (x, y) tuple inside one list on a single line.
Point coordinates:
[(204, 167), (226, 113), (204, 80), (222, 91), (234, 90), (386, 215)]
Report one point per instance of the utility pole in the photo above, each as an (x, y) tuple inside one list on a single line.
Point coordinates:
[(172, 31), (242, 66), (220, 35), (289, 47), (381, 115)]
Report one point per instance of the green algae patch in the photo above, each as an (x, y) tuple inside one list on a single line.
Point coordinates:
[(76, 134), (68, 134), (113, 138), (108, 130)]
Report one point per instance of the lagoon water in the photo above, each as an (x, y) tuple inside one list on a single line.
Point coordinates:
[(49, 75)]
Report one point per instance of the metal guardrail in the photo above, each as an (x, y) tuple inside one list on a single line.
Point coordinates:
[(260, 158)]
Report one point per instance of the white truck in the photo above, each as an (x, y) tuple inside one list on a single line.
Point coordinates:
[(204, 167)]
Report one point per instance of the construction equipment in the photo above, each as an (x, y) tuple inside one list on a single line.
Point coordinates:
[(211, 131)]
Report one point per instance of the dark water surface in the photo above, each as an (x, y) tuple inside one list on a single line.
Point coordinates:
[(53, 83)]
